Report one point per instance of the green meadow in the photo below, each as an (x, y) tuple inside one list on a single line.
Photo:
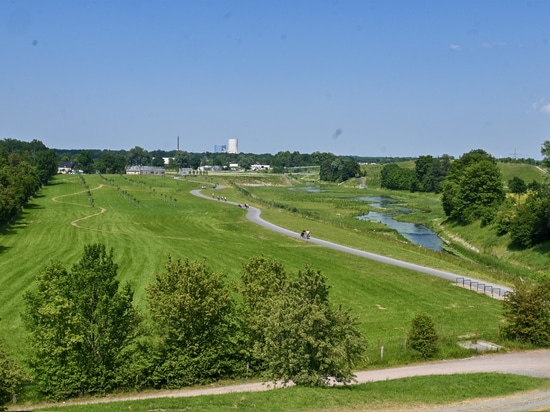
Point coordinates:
[(147, 219), (401, 394)]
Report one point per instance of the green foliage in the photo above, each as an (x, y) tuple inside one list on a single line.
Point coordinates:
[(110, 163), (81, 323), (430, 173), (338, 170), (396, 178), (545, 151), (517, 185), (193, 318), (138, 156), (12, 377), (422, 336), (473, 189), (527, 311), (296, 332), (531, 223), (24, 168), (261, 279)]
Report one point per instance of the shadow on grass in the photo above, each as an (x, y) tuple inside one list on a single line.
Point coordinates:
[(19, 222)]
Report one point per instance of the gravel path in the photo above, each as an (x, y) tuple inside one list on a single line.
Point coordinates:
[(531, 363)]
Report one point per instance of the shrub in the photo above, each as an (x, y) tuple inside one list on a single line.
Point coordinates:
[(423, 336)]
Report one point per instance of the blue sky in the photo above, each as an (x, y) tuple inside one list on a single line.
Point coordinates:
[(369, 78)]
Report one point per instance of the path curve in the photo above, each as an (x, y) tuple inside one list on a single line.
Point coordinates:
[(531, 363), (75, 222), (253, 214)]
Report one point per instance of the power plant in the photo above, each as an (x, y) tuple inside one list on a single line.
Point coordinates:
[(232, 146)]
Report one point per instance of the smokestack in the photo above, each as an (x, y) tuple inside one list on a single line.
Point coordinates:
[(178, 149)]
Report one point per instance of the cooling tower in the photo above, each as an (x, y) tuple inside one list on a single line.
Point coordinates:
[(232, 146)]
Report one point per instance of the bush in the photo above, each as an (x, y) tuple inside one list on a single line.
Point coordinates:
[(423, 336), (527, 311)]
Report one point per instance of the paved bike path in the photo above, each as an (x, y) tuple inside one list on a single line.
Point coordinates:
[(253, 214)]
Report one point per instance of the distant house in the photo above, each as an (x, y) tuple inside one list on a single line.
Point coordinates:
[(145, 170), (66, 168), (256, 167)]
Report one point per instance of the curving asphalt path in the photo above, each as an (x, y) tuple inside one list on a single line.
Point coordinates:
[(532, 363), (253, 214)]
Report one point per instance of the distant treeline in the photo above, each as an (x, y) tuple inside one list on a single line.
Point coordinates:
[(114, 161), (24, 168)]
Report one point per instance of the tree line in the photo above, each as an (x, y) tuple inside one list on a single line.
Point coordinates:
[(472, 189), (116, 161), (24, 168), (88, 337)]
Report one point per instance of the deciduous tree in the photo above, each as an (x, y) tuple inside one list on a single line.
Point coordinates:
[(81, 325), (298, 334), (12, 377), (473, 189), (527, 311), (193, 316)]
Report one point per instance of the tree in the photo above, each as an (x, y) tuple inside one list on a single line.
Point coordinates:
[(180, 160), (517, 186), (82, 325), (138, 156), (296, 332), (12, 377), (85, 161), (422, 336), (396, 178), (531, 224), (261, 280), (338, 169), (527, 311), (430, 173), (193, 316), (545, 151), (157, 162), (473, 189)]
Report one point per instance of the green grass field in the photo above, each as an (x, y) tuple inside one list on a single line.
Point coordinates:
[(400, 394), (146, 219), (59, 222)]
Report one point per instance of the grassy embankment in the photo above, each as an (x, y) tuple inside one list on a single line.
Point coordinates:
[(400, 394), (58, 223)]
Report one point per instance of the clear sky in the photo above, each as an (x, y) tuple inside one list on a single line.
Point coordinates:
[(369, 78)]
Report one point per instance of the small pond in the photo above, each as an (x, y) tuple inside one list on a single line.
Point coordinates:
[(415, 233)]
